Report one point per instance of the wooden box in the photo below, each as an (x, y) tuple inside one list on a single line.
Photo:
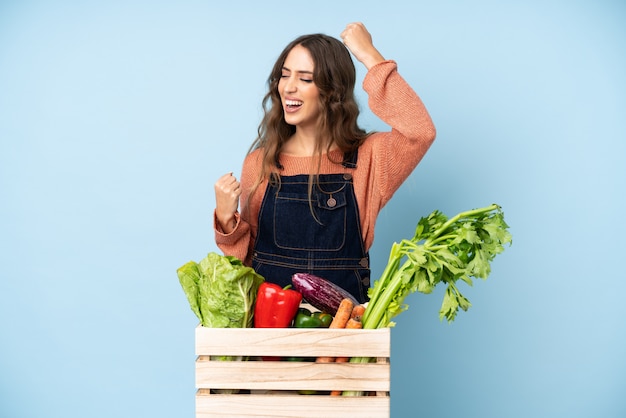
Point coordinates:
[(274, 388)]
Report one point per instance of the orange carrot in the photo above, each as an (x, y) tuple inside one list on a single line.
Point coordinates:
[(354, 324), (357, 312), (339, 321), (343, 314), (351, 324)]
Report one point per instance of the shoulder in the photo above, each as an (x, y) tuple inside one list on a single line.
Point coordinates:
[(369, 144), (252, 165), (253, 157)]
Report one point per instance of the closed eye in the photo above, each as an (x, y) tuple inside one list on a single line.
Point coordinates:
[(286, 73)]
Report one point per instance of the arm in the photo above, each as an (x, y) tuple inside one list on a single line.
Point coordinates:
[(239, 239), (399, 151), (231, 232), (390, 97), (396, 153)]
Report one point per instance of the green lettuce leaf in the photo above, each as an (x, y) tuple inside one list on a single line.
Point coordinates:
[(189, 277), (221, 291)]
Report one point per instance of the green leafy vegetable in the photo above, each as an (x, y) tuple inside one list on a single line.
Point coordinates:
[(441, 251), (221, 291)]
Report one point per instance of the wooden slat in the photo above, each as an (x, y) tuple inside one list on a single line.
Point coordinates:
[(302, 406), (285, 375), (293, 342)]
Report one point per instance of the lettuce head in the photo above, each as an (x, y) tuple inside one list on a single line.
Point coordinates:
[(221, 291)]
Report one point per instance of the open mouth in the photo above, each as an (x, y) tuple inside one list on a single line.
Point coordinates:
[(293, 104)]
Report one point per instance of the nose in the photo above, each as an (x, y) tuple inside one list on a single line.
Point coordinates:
[(290, 85)]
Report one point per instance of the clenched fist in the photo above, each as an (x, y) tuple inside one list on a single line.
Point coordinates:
[(227, 192), (359, 41)]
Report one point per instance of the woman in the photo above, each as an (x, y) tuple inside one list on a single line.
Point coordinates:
[(314, 182)]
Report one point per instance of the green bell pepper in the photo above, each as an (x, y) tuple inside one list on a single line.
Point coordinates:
[(306, 319), (325, 317)]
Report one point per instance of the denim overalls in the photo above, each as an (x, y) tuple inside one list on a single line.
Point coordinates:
[(330, 245)]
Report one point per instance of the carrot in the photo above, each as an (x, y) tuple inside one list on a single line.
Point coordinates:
[(357, 312), (343, 314), (354, 324), (339, 321), (351, 324)]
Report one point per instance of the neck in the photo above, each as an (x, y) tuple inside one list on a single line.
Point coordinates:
[(302, 144)]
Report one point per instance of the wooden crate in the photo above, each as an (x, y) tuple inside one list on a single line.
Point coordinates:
[(271, 388)]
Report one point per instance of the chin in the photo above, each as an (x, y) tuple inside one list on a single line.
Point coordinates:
[(291, 120)]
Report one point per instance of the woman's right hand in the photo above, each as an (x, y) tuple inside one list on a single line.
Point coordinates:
[(227, 192)]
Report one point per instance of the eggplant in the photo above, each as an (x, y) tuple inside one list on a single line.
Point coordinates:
[(321, 293)]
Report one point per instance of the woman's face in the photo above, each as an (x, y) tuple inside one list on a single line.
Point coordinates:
[(298, 93)]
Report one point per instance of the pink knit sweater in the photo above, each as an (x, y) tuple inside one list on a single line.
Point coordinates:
[(385, 160)]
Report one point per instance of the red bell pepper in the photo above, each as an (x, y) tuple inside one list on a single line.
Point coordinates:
[(275, 306)]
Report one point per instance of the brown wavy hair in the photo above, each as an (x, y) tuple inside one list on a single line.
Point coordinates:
[(334, 75)]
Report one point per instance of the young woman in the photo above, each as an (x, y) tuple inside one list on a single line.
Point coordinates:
[(314, 182)]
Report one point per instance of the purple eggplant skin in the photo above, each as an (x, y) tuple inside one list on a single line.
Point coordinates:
[(321, 293)]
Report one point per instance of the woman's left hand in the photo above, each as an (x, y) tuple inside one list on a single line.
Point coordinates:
[(359, 41)]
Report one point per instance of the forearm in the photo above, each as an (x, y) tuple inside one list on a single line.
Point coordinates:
[(226, 224), (235, 242), (372, 58), (239, 238)]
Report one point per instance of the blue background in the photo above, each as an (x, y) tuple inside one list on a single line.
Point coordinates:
[(117, 117)]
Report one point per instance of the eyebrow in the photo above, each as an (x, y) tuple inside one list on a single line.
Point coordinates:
[(300, 72)]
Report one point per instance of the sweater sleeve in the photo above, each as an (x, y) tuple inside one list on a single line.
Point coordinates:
[(397, 152), (236, 242)]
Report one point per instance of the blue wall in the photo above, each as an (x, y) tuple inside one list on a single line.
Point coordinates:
[(116, 118)]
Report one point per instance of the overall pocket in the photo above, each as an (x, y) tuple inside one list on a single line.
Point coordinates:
[(319, 225)]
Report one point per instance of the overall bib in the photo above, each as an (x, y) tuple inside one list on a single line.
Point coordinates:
[(322, 236)]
